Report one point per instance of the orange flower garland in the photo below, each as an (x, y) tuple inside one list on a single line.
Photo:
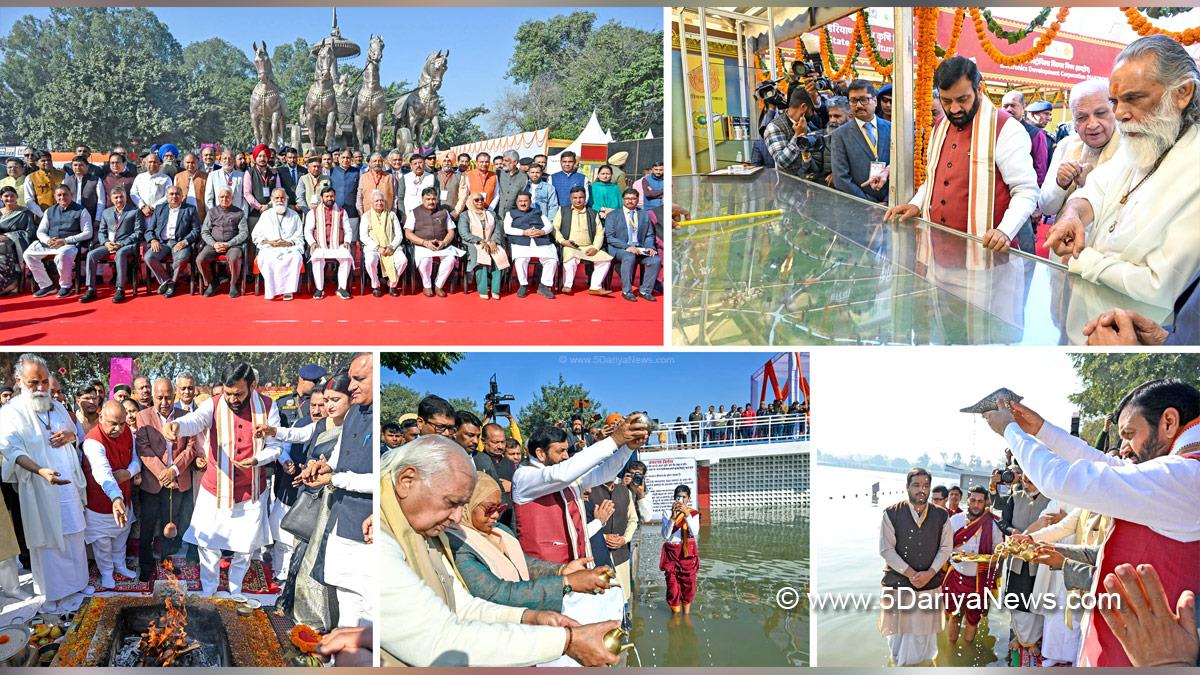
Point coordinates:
[(1142, 26), (926, 19), (960, 16), (827, 56), (860, 29), (1026, 56)]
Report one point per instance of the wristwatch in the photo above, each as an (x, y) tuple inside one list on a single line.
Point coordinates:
[(566, 587)]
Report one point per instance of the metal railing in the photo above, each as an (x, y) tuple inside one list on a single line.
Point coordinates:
[(728, 432)]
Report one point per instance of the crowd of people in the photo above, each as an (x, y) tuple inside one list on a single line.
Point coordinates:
[(271, 216), (1078, 523), (180, 475), (514, 551), (774, 420), (1114, 193)]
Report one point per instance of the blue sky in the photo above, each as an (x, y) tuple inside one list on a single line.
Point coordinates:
[(479, 38), (665, 384)]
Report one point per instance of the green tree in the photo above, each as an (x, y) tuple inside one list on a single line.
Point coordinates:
[(95, 75), (565, 68), (460, 128), (1106, 378), (408, 363), (222, 78), (293, 67), (554, 402), (396, 400)]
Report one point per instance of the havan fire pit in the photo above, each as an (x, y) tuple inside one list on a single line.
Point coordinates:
[(109, 631)]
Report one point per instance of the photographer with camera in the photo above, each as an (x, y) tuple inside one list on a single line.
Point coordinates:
[(787, 136), (635, 480)]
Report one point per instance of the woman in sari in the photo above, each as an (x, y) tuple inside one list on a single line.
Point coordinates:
[(17, 229), (680, 559), (493, 567), (306, 599), (485, 246), (606, 195)]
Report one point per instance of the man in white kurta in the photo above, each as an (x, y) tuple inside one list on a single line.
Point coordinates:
[(231, 511), (530, 236), (279, 237), (410, 185), (37, 442), (328, 233), (106, 531), (1132, 226), (381, 235)]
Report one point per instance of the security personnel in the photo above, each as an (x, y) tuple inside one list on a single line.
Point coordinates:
[(294, 406)]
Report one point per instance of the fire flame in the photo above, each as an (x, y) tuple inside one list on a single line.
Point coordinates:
[(166, 638)]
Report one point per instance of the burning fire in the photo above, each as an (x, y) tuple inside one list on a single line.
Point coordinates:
[(166, 639)]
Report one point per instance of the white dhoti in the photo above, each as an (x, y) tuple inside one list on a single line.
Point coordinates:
[(354, 582), (423, 257), (371, 260), (280, 270), (243, 530), (61, 575), (599, 272), (10, 578), (322, 255), (546, 254), (108, 544), (64, 261), (912, 634), (1027, 626), (285, 543)]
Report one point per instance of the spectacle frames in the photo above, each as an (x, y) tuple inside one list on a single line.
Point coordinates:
[(442, 428), (860, 100), (494, 509)]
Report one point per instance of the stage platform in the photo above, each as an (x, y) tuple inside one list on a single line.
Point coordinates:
[(829, 271)]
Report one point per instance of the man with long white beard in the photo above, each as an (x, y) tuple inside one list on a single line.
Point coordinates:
[(1132, 227), (279, 236), (37, 443), (1094, 142), (111, 469), (232, 504)]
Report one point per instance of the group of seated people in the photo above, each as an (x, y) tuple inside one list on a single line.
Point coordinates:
[(276, 218)]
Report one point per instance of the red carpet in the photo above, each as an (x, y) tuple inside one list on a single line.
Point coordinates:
[(187, 571), (457, 319)]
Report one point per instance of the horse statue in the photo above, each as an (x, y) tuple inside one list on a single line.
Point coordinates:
[(416, 108), (369, 105), (320, 104), (268, 108)]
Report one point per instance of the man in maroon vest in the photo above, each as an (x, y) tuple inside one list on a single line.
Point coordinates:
[(1152, 501), (980, 178), (111, 470), (547, 490), (232, 506), (915, 541)]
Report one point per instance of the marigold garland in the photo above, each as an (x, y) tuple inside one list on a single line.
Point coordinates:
[(881, 65), (1026, 56), (1015, 36), (926, 19), (960, 15), (1142, 26), (827, 60), (305, 638)]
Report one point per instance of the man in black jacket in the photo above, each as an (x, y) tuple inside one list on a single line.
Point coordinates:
[(176, 228), (119, 232)]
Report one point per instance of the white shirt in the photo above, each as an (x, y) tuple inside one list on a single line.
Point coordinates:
[(413, 186), (150, 189), (85, 229), (1016, 168), (102, 471), (511, 231), (1159, 494), (172, 218), (1148, 248), (231, 179), (673, 536), (596, 464), (364, 233), (862, 128)]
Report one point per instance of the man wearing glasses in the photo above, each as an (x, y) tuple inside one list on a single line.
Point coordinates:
[(861, 150)]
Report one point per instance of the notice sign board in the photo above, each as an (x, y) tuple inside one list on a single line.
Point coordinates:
[(663, 475)]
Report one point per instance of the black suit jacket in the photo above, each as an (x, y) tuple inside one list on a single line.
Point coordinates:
[(187, 225), (287, 182)]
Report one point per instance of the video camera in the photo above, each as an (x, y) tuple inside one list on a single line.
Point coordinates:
[(495, 398), (769, 93), (811, 66), (812, 142)]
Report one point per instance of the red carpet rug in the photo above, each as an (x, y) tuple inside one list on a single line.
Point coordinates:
[(188, 571), (457, 319)]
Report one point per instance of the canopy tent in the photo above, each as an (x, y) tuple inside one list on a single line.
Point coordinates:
[(590, 146)]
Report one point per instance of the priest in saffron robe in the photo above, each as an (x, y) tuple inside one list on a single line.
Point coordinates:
[(1151, 501), (967, 583), (980, 174), (111, 469), (680, 557), (231, 511)]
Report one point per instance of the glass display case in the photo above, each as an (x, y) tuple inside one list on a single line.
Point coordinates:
[(829, 271)]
